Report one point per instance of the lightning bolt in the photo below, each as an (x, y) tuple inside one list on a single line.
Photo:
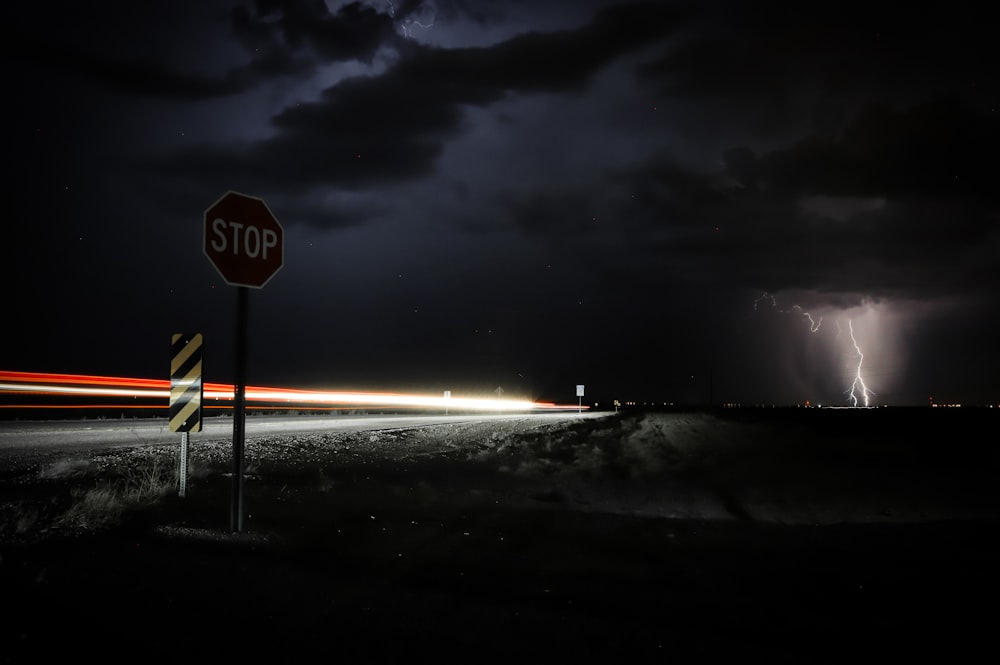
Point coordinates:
[(858, 382), (407, 22), (858, 390), (774, 303), (813, 325)]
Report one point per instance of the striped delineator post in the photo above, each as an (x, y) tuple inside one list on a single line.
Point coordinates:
[(186, 352)]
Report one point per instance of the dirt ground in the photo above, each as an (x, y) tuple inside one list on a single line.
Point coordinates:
[(639, 537)]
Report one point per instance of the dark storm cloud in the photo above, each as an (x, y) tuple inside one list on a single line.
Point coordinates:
[(791, 65), (372, 130), (873, 165), (902, 203), (344, 212), (930, 171), (354, 32), (488, 13), (283, 39), (139, 77), (934, 166), (939, 148)]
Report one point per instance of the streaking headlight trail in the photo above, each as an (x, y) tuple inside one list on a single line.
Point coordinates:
[(220, 395)]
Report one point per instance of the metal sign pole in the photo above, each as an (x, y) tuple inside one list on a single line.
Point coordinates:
[(239, 409), (184, 463)]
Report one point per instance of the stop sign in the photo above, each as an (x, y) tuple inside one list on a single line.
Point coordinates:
[(243, 240)]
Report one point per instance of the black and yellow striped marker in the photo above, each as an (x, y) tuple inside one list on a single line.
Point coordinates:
[(185, 382)]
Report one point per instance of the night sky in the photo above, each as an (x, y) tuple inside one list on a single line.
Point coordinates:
[(659, 201)]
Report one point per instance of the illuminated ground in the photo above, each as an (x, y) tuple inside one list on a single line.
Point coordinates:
[(800, 536)]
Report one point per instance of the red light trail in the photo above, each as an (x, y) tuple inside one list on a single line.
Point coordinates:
[(156, 393)]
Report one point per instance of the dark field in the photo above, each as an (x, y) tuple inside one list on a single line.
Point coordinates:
[(795, 536)]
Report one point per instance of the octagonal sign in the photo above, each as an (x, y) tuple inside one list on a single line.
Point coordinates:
[(243, 240)]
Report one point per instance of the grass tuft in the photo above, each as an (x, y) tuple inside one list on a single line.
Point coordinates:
[(106, 504)]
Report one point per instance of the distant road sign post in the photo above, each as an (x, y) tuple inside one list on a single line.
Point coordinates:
[(185, 393), (579, 394), (245, 242)]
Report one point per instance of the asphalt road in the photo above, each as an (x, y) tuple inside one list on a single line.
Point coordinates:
[(18, 438)]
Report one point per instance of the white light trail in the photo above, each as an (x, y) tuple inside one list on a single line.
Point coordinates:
[(82, 390), (391, 399)]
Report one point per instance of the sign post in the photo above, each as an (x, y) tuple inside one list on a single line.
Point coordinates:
[(579, 394), (239, 410), (245, 243)]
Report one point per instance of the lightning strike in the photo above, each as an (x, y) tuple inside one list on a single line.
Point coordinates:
[(858, 391), (858, 382), (774, 303), (407, 22), (813, 325)]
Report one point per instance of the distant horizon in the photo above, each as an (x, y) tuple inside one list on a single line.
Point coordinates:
[(57, 395)]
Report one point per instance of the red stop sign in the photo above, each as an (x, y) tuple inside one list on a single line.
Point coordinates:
[(243, 240)]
